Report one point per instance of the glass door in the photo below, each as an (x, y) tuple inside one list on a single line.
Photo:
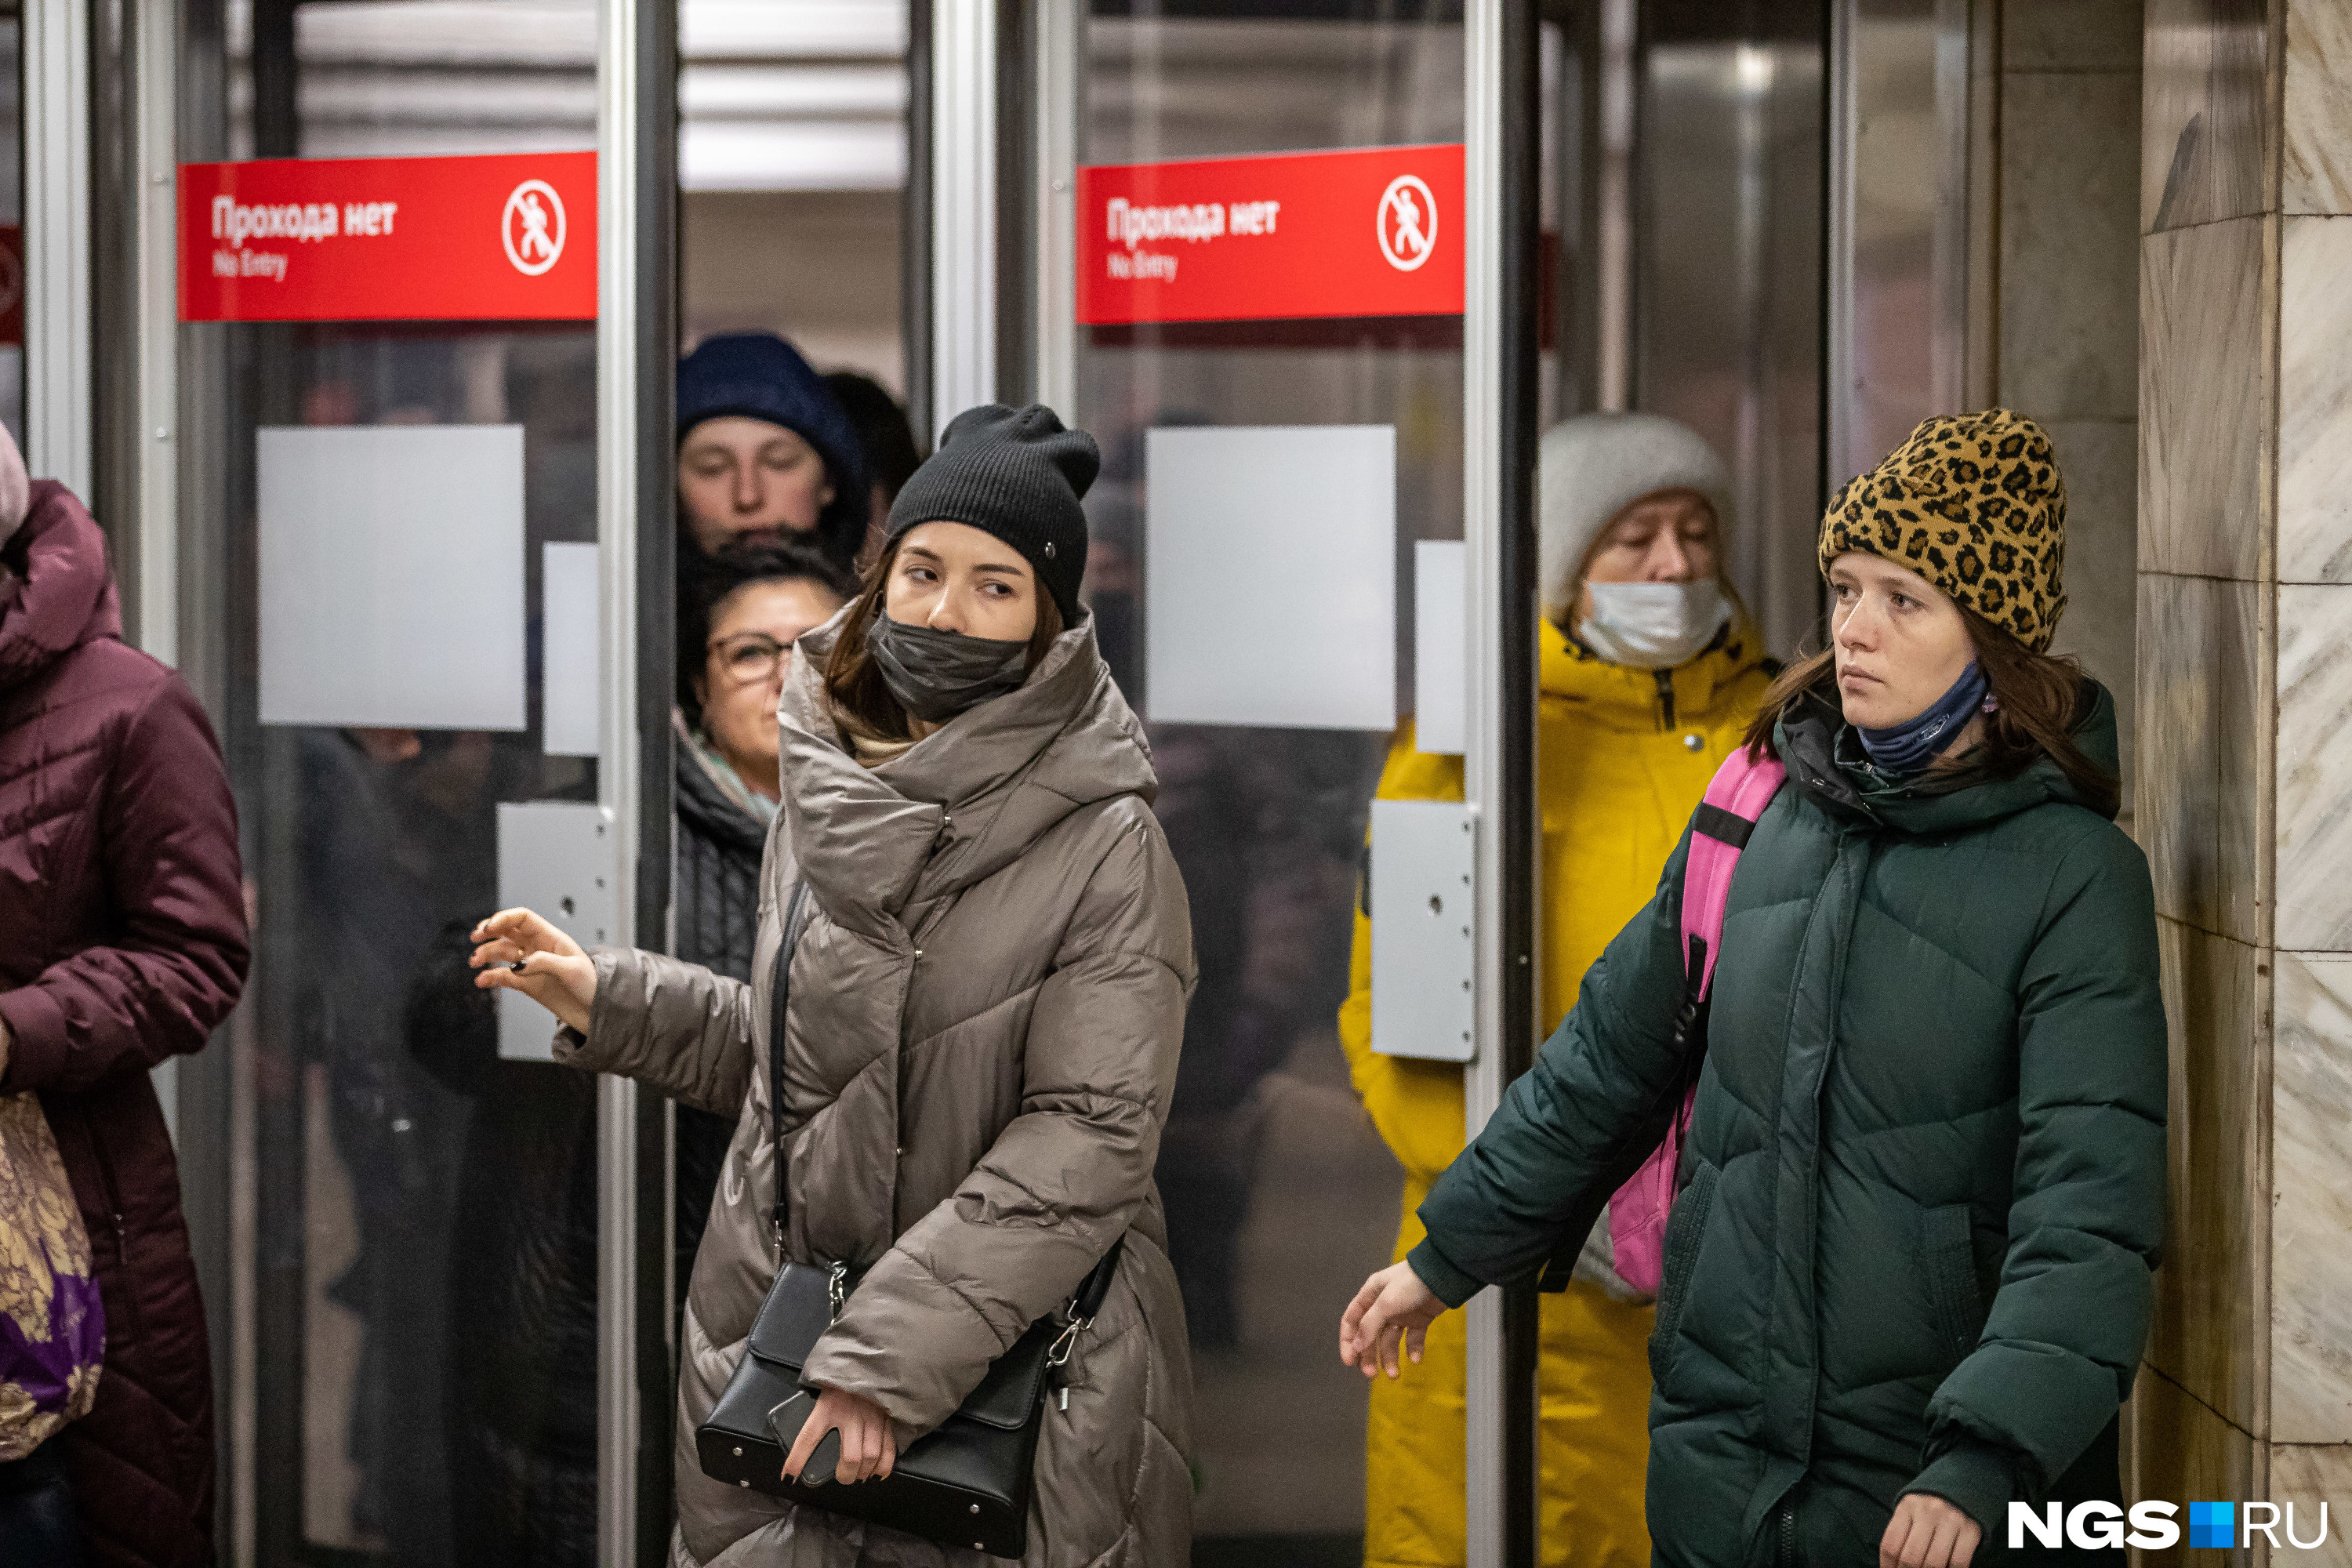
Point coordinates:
[(1280, 1196), (1269, 649), (409, 558), (1265, 250)]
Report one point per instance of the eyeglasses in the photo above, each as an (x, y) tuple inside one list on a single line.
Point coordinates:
[(749, 657)]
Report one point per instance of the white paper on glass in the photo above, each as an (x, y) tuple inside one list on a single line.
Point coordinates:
[(570, 717), (1441, 673), (1423, 860), (392, 576), (1270, 576), (554, 857)]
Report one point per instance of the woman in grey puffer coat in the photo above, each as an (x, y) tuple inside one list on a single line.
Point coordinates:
[(985, 1010)]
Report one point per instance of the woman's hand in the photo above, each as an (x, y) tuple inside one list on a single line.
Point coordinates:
[(869, 1448), (549, 967), (1928, 1533), (1393, 1304)]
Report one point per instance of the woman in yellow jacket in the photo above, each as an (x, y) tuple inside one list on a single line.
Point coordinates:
[(1650, 674)]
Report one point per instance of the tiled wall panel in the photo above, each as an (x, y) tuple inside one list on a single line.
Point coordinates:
[(2211, 1310), (2069, 219), (2183, 1451), (2308, 1477), (2201, 757), (2315, 173), (2204, 119), (2201, 408), (2314, 439), (2311, 1096), (2314, 768)]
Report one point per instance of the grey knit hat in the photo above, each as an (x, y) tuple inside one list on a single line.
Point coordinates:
[(1018, 474), (1591, 467)]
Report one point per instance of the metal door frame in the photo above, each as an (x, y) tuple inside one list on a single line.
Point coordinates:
[(636, 376), (1502, 159), (958, 40), (57, 195), (959, 221)]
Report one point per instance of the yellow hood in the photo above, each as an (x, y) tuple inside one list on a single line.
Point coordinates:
[(1629, 698)]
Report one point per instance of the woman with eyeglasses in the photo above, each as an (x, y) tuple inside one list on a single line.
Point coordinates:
[(740, 611)]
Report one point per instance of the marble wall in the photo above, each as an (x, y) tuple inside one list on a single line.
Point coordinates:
[(2066, 341), (2245, 783)]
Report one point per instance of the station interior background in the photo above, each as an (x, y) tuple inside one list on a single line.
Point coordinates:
[(793, 157), (1700, 261)]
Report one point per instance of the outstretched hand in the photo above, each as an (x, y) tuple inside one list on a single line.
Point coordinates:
[(517, 951), (1393, 1306)]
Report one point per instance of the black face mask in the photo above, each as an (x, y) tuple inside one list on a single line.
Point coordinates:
[(936, 675)]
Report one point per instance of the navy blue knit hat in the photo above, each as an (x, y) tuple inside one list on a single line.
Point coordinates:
[(760, 376)]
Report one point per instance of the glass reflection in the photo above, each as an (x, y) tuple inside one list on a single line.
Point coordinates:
[(1279, 1196), (423, 1245)]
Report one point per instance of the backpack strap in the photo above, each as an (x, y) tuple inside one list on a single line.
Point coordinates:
[(1735, 799)]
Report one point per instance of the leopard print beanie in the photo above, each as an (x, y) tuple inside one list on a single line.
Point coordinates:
[(1974, 503)]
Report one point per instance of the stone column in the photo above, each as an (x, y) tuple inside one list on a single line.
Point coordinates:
[(2066, 350), (2245, 745)]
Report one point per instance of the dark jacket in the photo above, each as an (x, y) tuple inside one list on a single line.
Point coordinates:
[(1925, 1174), (122, 942), (717, 904), (520, 1420), (518, 1412), (718, 890)]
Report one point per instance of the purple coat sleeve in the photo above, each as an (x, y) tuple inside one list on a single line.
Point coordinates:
[(174, 960)]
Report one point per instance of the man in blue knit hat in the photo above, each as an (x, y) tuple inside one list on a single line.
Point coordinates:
[(765, 451)]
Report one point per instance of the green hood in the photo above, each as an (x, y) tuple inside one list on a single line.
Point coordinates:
[(1825, 760)]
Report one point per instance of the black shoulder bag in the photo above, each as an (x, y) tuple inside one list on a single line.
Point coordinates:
[(965, 1483)]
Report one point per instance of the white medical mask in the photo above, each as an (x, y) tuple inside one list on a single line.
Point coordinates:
[(1653, 625)]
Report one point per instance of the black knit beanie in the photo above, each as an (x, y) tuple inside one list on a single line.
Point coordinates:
[(1016, 473)]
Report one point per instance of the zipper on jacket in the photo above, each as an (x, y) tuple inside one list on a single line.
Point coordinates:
[(103, 1158), (1665, 678), (1787, 1555)]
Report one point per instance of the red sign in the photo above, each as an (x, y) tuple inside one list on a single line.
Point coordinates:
[(1375, 231), (506, 238)]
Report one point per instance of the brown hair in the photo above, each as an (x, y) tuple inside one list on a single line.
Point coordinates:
[(2041, 696), (860, 698)]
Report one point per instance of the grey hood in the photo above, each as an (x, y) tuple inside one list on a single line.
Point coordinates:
[(964, 802)]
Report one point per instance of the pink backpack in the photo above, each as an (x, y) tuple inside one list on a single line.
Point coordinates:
[(1735, 797)]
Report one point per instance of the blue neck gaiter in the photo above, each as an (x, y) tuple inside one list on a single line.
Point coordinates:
[(1904, 749)]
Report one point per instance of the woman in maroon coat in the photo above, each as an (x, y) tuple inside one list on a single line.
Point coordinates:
[(122, 942)]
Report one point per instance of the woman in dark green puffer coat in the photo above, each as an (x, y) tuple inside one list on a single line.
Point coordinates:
[(1907, 1279)]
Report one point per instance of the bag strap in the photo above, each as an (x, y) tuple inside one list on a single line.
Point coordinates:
[(778, 999), (1084, 1305), (1735, 799)]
